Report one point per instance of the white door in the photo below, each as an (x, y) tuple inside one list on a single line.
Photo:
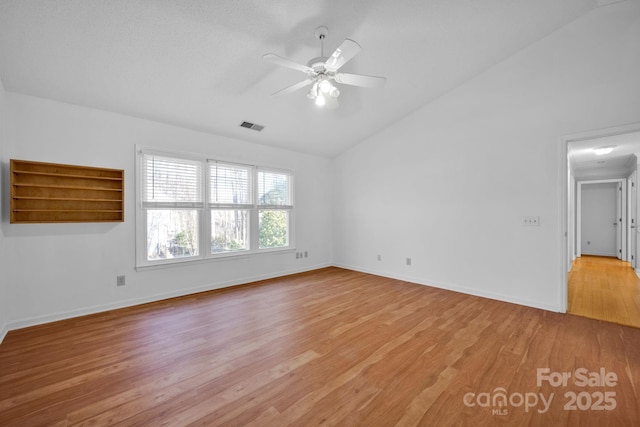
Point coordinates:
[(618, 221), (632, 208), (599, 219), (633, 197)]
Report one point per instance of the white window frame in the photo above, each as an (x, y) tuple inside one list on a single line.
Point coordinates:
[(274, 207), (205, 208), (211, 205)]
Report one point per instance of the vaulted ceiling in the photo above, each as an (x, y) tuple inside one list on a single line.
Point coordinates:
[(198, 64)]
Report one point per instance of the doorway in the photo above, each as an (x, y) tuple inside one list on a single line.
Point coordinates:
[(600, 218), (599, 208)]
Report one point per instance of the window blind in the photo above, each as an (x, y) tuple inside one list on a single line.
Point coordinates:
[(229, 184), (190, 207), (171, 180)]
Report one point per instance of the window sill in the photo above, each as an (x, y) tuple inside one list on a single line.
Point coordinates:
[(213, 258)]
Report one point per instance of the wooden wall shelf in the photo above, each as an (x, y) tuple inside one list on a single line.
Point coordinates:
[(50, 192)]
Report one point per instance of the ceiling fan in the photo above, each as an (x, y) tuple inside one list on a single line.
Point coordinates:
[(321, 71)]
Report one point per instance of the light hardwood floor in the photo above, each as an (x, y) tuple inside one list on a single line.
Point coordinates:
[(604, 288), (330, 347)]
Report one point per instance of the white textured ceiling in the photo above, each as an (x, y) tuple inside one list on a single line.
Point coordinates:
[(198, 64)]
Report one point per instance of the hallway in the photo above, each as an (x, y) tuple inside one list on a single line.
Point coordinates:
[(606, 289)]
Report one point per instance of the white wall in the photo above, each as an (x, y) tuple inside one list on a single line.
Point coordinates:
[(598, 235), (448, 185), (70, 269), (6, 270)]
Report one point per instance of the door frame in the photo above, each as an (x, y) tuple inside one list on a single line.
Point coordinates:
[(621, 230), (567, 233), (632, 208)]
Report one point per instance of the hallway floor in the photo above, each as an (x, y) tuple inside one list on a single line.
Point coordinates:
[(606, 289)]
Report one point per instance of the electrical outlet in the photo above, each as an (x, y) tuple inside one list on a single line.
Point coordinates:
[(297, 255), (120, 281), (306, 254), (408, 261), (379, 257), (531, 221)]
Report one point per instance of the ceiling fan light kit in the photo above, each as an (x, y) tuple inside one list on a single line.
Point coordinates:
[(322, 70)]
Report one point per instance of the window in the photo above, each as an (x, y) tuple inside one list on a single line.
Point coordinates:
[(230, 204), (191, 208), (274, 203), (172, 201)]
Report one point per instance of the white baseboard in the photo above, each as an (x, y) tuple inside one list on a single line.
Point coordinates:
[(3, 332), (38, 320), (457, 288), (54, 317), (610, 255), (637, 270)]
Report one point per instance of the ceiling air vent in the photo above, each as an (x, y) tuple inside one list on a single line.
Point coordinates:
[(252, 126)]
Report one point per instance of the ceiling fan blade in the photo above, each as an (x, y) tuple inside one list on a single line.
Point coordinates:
[(343, 54), (293, 87), (284, 62), (360, 80)]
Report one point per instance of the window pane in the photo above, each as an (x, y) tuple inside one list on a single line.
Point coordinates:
[(274, 188), (172, 233), (229, 230), (273, 228), (169, 179), (229, 184)]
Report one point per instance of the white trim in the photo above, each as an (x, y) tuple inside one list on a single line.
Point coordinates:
[(63, 315), (204, 210), (456, 288), (628, 229), (3, 332), (600, 254), (621, 182), (571, 228), (225, 256), (563, 220), (563, 212), (602, 133), (38, 320)]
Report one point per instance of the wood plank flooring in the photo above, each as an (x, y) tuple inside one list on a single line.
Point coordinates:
[(604, 288), (328, 347)]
